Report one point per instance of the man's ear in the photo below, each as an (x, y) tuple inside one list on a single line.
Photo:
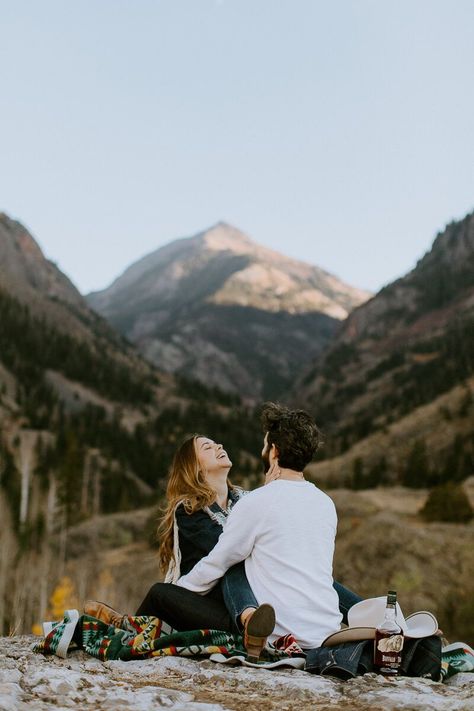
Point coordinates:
[(274, 451)]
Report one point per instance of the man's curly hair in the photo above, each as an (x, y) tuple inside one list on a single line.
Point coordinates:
[(293, 432)]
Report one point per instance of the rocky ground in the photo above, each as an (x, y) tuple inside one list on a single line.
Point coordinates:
[(35, 683)]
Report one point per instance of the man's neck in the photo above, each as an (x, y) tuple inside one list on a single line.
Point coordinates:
[(291, 475)]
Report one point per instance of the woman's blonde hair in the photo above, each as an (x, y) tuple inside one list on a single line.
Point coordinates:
[(186, 483)]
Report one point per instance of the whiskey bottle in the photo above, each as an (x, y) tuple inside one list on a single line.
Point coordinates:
[(388, 643)]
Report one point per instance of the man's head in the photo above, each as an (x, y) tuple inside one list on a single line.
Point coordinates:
[(293, 433)]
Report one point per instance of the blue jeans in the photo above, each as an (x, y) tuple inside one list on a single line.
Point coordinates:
[(238, 594), (347, 598)]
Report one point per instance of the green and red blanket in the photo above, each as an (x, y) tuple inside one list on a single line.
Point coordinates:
[(142, 637)]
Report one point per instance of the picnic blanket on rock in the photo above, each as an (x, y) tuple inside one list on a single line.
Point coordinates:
[(456, 658), (142, 637)]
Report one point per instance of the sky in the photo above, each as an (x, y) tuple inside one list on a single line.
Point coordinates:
[(337, 132)]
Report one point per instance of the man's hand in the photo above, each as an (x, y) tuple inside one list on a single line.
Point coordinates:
[(273, 473)]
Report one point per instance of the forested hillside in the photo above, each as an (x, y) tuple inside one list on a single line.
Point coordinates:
[(408, 347), (87, 427)]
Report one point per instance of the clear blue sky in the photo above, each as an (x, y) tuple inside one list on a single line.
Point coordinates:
[(338, 132)]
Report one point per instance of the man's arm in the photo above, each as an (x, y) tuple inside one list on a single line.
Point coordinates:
[(235, 544)]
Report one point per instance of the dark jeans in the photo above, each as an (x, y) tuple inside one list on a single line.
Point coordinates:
[(220, 608)]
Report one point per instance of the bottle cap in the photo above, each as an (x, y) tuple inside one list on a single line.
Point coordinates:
[(391, 597)]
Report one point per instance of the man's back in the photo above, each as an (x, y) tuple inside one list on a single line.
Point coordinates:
[(290, 565), (285, 531)]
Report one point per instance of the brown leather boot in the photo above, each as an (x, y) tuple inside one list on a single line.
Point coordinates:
[(103, 612), (256, 630)]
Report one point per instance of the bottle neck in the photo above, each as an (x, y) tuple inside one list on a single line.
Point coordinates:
[(389, 622)]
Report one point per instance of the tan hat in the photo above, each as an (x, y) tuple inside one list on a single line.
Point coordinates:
[(364, 616)]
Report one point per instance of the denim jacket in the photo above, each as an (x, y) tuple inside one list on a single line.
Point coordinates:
[(420, 657)]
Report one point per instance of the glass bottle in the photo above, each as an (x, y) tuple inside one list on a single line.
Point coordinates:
[(388, 643)]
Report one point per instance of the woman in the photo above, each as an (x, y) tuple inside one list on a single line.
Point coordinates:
[(199, 499)]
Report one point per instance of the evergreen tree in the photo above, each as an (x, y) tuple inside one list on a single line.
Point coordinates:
[(358, 481), (417, 472)]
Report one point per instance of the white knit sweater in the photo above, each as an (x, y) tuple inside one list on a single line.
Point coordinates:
[(285, 532)]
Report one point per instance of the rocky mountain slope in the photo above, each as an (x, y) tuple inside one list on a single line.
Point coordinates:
[(408, 345), (431, 444), (227, 311)]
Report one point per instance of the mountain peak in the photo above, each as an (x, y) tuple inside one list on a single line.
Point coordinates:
[(25, 269), (38, 283), (225, 237)]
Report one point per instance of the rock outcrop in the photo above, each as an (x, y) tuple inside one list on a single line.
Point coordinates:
[(31, 682)]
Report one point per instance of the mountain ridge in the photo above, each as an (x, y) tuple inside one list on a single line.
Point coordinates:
[(407, 345)]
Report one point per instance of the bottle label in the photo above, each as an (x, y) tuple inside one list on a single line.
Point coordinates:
[(394, 643), (387, 651)]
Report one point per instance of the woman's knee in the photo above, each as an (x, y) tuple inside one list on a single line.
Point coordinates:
[(152, 600), (160, 591)]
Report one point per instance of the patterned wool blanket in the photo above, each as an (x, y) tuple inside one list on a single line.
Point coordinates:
[(142, 637)]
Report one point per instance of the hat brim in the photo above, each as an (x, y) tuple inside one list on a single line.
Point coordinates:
[(421, 624), (349, 634)]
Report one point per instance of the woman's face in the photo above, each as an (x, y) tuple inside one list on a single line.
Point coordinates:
[(211, 456)]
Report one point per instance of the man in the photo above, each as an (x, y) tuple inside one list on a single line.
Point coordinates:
[(285, 533)]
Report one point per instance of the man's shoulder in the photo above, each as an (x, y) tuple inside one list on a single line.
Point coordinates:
[(319, 492), (323, 498)]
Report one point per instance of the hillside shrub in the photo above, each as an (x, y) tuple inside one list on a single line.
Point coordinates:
[(447, 502)]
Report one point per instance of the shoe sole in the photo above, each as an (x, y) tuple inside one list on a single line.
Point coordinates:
[(260, 625), (262, 622)]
